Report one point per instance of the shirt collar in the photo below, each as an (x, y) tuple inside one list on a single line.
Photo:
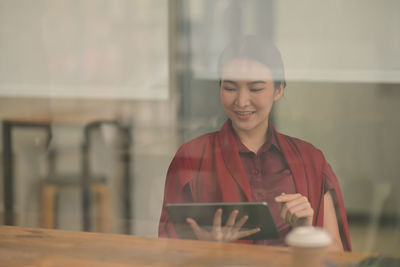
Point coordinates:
[(269, 143)]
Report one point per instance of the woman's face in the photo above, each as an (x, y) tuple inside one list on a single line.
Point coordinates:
[(247, 95)]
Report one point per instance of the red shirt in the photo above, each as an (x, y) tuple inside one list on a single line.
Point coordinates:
[(269, 175)]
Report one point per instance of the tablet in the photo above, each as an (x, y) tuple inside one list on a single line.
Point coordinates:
[(258, 212)]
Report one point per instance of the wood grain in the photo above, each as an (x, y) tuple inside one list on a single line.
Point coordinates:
[(21, 246)]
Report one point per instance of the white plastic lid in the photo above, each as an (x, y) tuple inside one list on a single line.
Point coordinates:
[(308, 236)]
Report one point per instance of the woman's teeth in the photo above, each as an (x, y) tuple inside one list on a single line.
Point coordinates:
[(244, 113)]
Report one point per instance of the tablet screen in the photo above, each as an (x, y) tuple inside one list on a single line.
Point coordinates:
[(258, 213)]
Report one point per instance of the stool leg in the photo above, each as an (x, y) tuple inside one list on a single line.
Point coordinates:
[(103, 207), (48, 199)]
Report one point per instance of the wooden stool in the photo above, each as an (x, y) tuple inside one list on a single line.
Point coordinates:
[(51, 187), (87, 182)]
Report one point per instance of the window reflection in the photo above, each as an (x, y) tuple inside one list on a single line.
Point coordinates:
[(152, 66)]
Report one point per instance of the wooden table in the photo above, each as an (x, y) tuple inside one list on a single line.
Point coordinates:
[(42, 247)]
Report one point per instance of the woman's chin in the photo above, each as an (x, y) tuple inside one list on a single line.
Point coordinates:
[(243, 126)]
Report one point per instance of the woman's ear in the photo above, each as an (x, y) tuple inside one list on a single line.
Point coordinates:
[(278, 92)]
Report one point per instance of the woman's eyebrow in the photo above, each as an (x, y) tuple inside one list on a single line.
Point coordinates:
[(255, 82), (229, 81), (249, 83)]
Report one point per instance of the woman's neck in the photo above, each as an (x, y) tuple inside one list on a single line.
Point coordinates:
[(253, 139)]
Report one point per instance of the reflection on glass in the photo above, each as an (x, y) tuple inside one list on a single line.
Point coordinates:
[(152, 66)]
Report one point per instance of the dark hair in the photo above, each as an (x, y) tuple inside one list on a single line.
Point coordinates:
[(255, 48)]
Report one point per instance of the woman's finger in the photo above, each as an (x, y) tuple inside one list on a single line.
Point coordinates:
[(290, 204), (301, 210), (298, 201), (288, 217), (287, 197), (284, 212), (216, 232), (200, 233), (241, 222), (303, 217), (245, 233), (231, 219), (217, 220), (285, 202), (305, 213), (298, 207)]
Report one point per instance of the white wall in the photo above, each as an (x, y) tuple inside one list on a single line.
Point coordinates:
[(96, 49), (339, 40)]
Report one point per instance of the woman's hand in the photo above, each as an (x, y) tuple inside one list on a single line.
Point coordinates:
[(229, 232), (296, 210)]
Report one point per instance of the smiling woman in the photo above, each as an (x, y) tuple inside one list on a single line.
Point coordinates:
[(248, 99), (248, 160)]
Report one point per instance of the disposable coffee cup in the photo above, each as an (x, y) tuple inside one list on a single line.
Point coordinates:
[(309, 246)]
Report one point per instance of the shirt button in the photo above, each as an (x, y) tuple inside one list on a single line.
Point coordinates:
[(255, 172)]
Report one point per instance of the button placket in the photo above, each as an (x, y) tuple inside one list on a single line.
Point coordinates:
[(257, 165)]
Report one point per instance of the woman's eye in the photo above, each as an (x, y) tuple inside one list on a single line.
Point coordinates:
[(229, 88), (255, 89)]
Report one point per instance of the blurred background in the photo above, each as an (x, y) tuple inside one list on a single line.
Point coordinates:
[(108, 90)]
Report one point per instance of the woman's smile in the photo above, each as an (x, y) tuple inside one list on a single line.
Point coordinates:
[(244, 115)]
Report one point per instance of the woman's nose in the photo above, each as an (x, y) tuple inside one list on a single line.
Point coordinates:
[(242, 98)]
